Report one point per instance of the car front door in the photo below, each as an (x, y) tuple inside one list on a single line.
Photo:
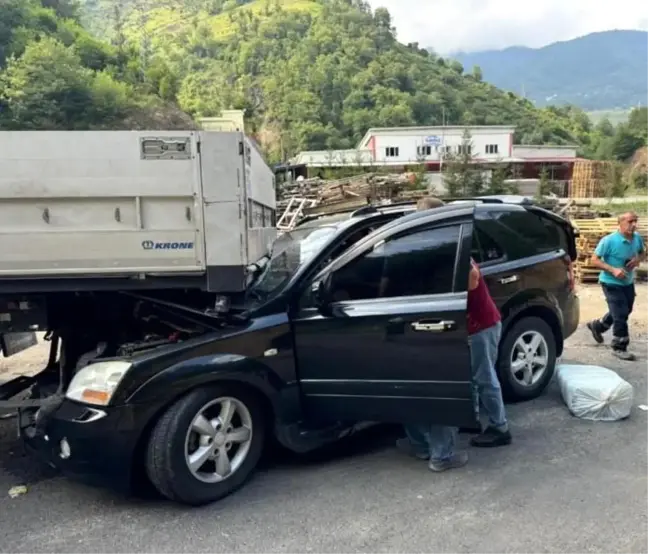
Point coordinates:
[(392, 346)]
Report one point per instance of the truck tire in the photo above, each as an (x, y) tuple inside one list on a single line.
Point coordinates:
[(206, 445), (526, 359)]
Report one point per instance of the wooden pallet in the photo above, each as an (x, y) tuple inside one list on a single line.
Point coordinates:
[(588, 179)]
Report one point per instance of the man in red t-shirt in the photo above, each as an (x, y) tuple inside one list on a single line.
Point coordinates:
[(484, 331), (436, 443)]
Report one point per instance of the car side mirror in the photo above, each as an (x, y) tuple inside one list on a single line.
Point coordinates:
[(322, 296)]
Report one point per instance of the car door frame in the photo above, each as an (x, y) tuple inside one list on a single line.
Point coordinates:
[(448, 402)]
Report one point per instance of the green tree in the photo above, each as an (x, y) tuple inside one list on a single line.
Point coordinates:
[(638, 122), (497, 183), (460, 175), (626, 142), (615, 185), (546, 186), (47, 87)]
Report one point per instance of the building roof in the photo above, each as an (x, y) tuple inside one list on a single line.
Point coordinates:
[(375, 130)]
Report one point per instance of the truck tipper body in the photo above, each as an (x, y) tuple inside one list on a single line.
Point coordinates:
[(94, 210), (102, 231)]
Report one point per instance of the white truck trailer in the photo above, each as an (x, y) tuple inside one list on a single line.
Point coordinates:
[(95, 210), (91, 219)]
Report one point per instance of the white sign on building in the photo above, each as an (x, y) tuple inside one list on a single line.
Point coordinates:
[(433, 140)]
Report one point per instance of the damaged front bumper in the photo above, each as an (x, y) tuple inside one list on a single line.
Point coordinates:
[(90, 444)]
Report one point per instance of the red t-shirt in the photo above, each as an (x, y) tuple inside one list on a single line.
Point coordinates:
[(482, 311)]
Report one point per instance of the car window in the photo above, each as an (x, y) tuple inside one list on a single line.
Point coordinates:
[(522, 234), (307, 299), (533, 228), (414, 264), (484, 247)]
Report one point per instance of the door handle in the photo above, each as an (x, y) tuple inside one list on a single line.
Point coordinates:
[(511, 279), (433, 326)]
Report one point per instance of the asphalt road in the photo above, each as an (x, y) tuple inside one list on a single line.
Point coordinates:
[(565, 485)]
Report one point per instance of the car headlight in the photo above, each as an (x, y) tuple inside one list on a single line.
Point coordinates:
[(96, 383)]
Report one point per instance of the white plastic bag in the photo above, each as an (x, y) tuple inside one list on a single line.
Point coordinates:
[(595, 393)]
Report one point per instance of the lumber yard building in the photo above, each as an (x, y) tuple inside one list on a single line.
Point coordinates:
[(402, 149)]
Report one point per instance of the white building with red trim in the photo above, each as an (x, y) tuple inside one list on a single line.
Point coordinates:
[(403, 147)]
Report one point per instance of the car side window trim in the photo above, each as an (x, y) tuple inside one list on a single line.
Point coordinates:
[(522, 263), (403, 305), (459, 229)]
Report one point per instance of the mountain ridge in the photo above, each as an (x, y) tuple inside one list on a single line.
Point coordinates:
[(598, 71)]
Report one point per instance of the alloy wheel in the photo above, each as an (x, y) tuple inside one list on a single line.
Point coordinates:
[(529, 358), (218, 439)]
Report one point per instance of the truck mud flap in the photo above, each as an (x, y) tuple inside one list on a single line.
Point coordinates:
[(12, 343)]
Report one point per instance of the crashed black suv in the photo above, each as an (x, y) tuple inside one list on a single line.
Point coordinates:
[(327, 337)]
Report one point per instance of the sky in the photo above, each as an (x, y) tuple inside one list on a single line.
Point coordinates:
[(469, 25)]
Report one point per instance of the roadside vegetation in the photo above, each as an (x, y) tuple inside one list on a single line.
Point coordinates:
[(310, 74)]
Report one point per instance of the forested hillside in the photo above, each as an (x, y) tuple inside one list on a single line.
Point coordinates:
[(311, 74)]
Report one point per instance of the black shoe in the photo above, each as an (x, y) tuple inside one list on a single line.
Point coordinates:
[(624, 355), (491, 437), (598, 336)]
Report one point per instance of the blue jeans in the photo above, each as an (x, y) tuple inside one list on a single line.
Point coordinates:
[(486, 385), (436, 440), (439, 440)]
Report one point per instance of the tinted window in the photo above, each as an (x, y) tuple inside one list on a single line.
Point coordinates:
[(414, 264), (484, 247), (532, 228), (521, 234)]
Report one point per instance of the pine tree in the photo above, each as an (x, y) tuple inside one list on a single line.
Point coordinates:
[(460, 176)]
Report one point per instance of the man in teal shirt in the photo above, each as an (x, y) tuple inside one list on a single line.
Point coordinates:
[(617, 256)]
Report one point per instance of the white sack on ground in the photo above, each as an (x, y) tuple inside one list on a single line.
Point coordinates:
[(595, 393)]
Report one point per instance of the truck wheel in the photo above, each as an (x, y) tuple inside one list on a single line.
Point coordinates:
[(526, 359), (206, 445)]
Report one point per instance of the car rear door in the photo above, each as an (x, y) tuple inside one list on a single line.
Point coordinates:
[(501, 272), (394, 347)]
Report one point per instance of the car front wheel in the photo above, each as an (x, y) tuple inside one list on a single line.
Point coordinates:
[(206, 445), (526, 359)]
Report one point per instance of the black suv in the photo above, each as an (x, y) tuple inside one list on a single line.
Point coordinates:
[(353, 318)]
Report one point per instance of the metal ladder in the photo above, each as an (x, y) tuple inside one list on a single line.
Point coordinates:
[(293, 212)]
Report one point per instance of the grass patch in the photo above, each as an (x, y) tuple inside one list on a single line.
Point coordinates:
[(639, 206)]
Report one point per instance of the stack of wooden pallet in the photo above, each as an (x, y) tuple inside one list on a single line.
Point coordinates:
[(588, 179), (591, 232)]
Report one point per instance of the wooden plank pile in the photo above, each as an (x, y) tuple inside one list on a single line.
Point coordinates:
[(588, 179), (591, 232), (371, 186)]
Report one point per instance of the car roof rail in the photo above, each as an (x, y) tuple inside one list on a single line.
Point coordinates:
[(494, 199), (377, 208), (365, 210)]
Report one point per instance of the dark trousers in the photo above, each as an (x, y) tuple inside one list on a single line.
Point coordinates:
[(620, 301)]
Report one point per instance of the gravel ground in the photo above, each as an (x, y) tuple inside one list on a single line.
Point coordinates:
[(564, 485)]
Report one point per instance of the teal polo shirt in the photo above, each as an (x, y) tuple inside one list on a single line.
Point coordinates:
[(616, 250)]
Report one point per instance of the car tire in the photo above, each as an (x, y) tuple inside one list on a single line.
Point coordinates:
[(169, 449), (513, 389)]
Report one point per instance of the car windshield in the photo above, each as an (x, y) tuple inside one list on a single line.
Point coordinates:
[(290, 251)]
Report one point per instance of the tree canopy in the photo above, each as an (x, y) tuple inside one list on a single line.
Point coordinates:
[(310, 74)]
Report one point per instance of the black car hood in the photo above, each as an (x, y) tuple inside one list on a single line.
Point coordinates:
[(249, 340)]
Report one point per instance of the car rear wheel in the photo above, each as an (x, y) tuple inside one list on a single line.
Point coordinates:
[(206, 445), (526, 359)]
